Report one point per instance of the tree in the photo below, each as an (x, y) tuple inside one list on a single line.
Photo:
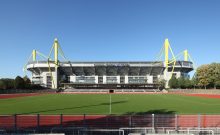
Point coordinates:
[(214, 74), (9, 83), (2, 84), (173, 82), (203, 75), (161, 84), (19, 83), (217, 84), (188, 83), (181, 83), (208, 75), (194, 81), (6, 83), (27, 82)]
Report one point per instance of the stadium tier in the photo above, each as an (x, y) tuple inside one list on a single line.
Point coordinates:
[(105, 74), (134, 74)]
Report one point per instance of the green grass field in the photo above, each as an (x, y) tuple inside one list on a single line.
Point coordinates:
[(99, 104)]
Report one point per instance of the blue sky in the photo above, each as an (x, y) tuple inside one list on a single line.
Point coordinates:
[(107, 30)]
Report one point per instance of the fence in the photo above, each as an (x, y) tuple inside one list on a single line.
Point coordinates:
[(146, 123), (197, 91)]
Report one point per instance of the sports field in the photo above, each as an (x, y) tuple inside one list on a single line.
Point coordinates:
[(100, 104)]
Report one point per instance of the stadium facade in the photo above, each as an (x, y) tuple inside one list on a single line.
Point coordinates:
[(53, 73)]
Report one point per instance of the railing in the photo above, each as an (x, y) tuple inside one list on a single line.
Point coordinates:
[(192, 131), (186, 64), (142, 130), (143, 123)]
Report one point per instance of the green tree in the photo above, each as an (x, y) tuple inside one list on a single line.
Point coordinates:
[(194, 81), (19, 83), (188, 83), (9, 83), (217, 83), (2, 84), (203, 76), (173, 82), (181, 83), (6, 83), (27, 82), (214, 74), (208, 75)]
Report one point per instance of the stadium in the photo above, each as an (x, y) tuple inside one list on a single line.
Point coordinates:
[(87, 105), (52, 73), (109, 98), (113, 70)]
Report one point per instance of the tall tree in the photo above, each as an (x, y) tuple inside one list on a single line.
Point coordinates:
[(194, 81), (26, 80), (203, 76), (214, 74), (19, 83), (2, 84)]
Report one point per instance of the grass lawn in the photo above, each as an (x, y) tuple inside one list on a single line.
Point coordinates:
[(99, 104)]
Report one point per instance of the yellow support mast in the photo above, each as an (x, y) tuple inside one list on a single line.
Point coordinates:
[(56, 47), (171, 63), (56, 64), (166, 52), (34, 54), (186, 55), (166, 56), (57, 50), (168, 48)]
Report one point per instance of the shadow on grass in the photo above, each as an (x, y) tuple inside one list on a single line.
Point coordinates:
[(156, 111), (71, 108)]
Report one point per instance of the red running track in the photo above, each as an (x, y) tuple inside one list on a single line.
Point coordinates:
[(204, 95), (105, 121), (6, 96)]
